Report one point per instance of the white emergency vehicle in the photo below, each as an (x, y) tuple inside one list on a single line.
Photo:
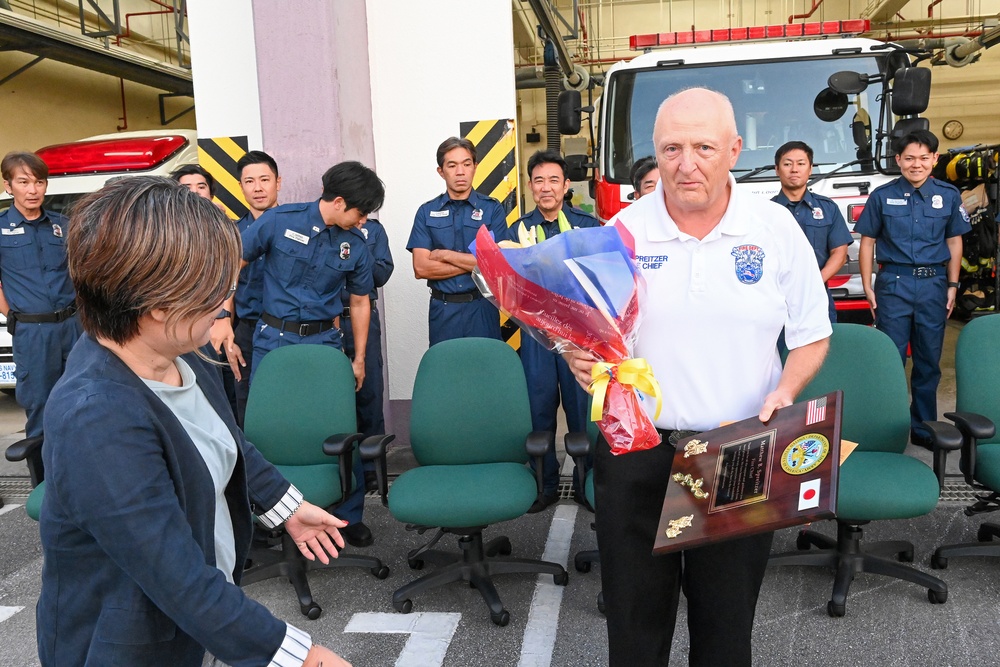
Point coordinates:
[(79, 167), (844, 96)]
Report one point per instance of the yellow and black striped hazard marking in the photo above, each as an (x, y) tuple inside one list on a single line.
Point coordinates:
[(219, 156), (496, 176)]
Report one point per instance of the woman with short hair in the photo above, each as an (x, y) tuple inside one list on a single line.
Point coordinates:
[(150, 485)]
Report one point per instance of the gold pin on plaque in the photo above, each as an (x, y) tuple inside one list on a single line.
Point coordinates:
[(677, 525), (692, 483), (694, 448)]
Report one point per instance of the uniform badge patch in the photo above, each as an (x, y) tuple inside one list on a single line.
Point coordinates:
[(817, 213), (749, 263), (57, 231), (937, 201), (477, 215), (345, 250)]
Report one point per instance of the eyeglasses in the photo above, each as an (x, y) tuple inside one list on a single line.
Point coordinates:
[(230, 293)]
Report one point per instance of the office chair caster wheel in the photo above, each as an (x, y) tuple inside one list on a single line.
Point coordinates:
[(905, 556), (380, 572), (984, 535), (836, 610), (581, 565), (415, 563), (600, 602), (561, 579), (802, 542), (404, 607), (502, 618), (935, 597), (311, 611), (939, 563)]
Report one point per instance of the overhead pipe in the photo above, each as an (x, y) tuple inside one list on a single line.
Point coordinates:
[(576, 77), (553, 86), (816, 4)]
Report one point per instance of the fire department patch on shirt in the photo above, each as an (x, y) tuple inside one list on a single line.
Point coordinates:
[(749, 263), (345, 250)]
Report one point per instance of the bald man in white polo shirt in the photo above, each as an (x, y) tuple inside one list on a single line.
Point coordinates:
[(725, 271)]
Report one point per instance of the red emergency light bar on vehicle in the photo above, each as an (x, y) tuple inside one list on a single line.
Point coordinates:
[(755, 33), (110, 155)]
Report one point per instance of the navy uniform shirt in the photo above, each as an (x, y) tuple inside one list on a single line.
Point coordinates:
[(577, 220), (821, 220), (452, 224), (250, 286), (378, 245), (910, 225), (33, 267), (306, 263)]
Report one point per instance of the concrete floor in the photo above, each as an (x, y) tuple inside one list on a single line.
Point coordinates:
[(888, 622)]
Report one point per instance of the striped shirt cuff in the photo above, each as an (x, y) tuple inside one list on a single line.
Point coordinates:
[(294, 648), (282, 509)]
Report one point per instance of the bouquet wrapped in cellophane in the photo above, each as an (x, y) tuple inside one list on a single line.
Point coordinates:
[(580, 289)]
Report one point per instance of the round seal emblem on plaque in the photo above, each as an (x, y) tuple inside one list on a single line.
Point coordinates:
[(804, 454)]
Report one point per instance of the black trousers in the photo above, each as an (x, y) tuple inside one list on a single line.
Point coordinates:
[(243, 337), (641, 591)]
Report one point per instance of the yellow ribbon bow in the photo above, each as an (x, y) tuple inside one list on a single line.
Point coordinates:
[(631, 372)]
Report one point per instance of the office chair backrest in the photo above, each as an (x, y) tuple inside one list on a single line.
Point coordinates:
[(865, 364), (977, 365), (470, 404), (301, 394)]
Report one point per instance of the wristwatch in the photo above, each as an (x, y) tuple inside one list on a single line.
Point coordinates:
[(223, 314), (955, 285)]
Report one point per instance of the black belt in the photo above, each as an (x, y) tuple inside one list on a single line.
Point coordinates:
[(673, 437), (346, 314), (916, 270), (461, 297), (45, 318), (300, 328)]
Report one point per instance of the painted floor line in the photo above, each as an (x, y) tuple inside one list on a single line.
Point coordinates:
[(543, 618), (430, 634), (7, 612), (7, 508)]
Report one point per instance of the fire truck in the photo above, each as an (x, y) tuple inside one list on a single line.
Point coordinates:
[(845, 96)]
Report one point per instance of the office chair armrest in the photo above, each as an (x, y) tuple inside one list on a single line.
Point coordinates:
[(30, 450), (973, 425), (341, 445), (944, 438), (577, 445), (373, 448), (536, 444)]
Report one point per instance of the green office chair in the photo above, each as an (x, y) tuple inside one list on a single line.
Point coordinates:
[(30, 450), (300, 416), (977, 410), (470, 430), (877, 481)]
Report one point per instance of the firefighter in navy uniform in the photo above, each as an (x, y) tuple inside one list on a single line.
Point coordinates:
[(443, 230), (37, 296), (913, 227), (818, 216), (371, 417), (312, 253), (549, 378)]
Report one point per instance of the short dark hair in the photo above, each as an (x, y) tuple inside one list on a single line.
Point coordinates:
[(255, 157), (28, 161), (639, 169), (358, 185), (922, 137), (189, 169), (790, 146), (140, 244), (546, 157), (452, 143)]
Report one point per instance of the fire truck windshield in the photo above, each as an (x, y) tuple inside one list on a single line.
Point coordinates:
[(774, 102)]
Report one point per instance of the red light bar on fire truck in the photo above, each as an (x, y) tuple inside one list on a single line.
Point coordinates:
[(755, 33), (110, 155)]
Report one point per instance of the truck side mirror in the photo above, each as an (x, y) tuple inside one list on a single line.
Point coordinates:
[(577, 167), (848, 83), (911, 91), (569, 112)]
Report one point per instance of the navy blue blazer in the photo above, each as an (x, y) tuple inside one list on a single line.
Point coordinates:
[(128, 527)]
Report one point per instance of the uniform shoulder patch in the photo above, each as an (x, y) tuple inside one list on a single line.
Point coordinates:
[(749, 263)]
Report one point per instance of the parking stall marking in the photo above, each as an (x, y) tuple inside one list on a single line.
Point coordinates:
[(430, 634)]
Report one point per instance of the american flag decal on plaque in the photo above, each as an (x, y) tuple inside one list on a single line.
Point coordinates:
[(816, 411)]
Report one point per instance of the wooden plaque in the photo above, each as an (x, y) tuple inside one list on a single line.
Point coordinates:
[(748, 477)]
